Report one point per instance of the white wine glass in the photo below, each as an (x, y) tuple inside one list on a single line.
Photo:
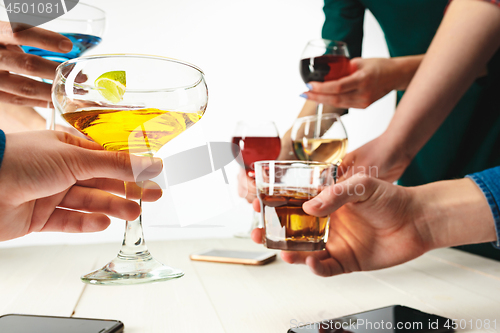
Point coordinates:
[(320, 138), (143, 103)]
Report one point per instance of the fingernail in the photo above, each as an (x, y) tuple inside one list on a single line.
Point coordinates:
[(303, 95), (65, 45), (154, 169), (309, 86)]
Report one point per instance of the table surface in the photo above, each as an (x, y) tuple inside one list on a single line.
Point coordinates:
[(213, 297)]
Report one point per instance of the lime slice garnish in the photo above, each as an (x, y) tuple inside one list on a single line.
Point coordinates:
[(112, 85)]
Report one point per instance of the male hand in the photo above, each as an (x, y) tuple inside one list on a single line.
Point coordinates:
[(53, 181), (373, 225)]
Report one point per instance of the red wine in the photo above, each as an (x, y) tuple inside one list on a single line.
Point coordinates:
[(256, 148), (324, 68)]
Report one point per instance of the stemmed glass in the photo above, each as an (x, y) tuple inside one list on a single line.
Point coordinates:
[(161, 98), (324, 60), (84, 25), (257, 141), (320, 138)]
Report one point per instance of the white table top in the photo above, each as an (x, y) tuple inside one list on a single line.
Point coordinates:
[(214, 297)]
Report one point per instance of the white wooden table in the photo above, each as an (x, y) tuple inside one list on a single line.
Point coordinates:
[(214, 297)]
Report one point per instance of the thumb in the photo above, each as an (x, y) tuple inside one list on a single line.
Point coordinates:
[(355, 64), (357, 188), (87, 164)]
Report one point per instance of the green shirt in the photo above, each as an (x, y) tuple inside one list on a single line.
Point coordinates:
[(468, 141)]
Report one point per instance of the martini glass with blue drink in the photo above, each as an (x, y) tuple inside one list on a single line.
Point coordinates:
[(83, 25)]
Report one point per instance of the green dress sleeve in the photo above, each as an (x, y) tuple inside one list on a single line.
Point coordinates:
[(344, 22)]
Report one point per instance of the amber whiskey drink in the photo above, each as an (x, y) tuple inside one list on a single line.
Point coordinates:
[(284, 216), (282, 188)]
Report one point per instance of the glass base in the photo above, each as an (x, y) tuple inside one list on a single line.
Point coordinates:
[(290, 245), (137, 270)]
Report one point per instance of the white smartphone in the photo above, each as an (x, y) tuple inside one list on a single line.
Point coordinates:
[(234, 256)]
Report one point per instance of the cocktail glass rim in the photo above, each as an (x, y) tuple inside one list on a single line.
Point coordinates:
[(129, 55)]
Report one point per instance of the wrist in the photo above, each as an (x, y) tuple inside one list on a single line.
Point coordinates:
[(452, 213), (404, 69), (396, 148)]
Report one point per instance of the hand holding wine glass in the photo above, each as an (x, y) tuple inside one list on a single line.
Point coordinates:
[(257, 141), (368, 81), (324, 60)]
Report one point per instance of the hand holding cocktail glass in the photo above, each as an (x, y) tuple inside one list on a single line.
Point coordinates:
[(135, 104), (74, 193), (58, 39), (19, 89)]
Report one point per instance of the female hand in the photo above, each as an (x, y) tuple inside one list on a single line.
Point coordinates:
[(370, 80), (246, 186), (21, 90), (381, 158)]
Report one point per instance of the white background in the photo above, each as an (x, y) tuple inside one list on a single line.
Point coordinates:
[(249, 52)]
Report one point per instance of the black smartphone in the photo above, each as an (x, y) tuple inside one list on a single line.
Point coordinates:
[(391, 319), (16, 323)]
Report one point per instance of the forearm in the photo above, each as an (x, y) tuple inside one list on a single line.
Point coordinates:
[(405, 68), (465, 41), (453, 212)]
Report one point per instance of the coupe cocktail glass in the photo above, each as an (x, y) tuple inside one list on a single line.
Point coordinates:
[(162, 98)]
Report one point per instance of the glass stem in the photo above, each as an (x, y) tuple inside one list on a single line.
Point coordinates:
[(319, 112), (134, 246)]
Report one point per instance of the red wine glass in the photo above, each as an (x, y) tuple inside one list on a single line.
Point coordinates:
[(257, 141), (324, 60)]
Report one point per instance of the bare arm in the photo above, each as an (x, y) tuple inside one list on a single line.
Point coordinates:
[(467, 38)]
